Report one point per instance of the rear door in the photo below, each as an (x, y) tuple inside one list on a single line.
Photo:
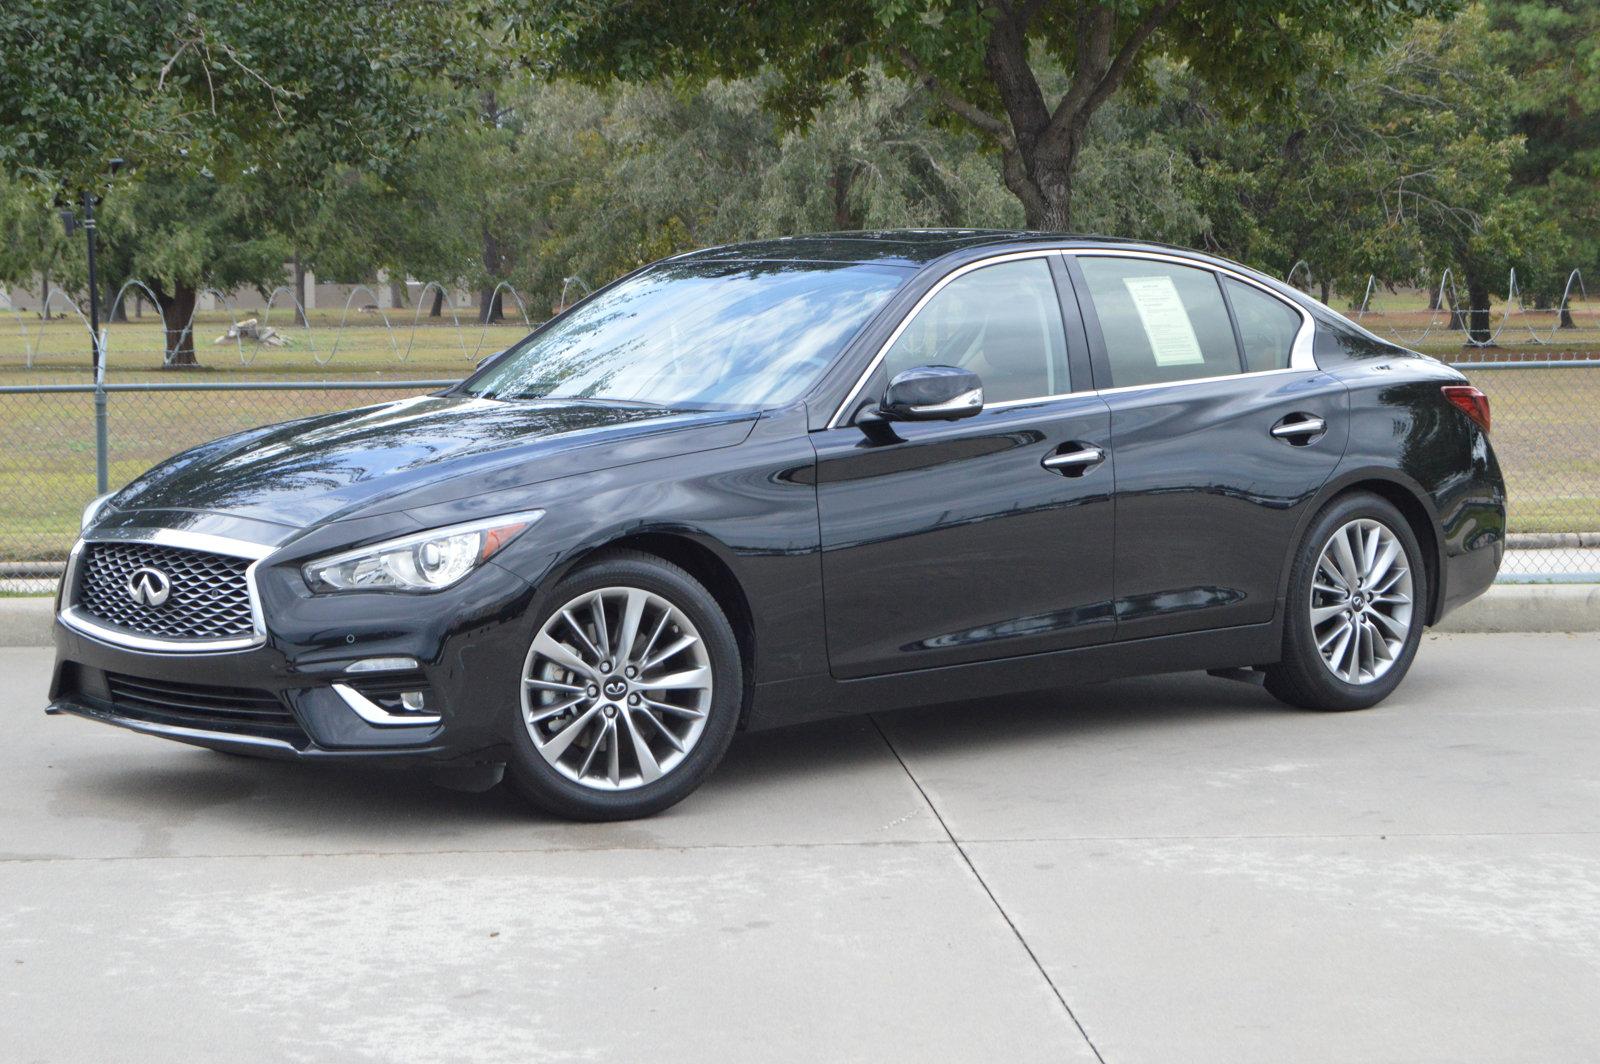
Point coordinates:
[(947, 542), (1223, 429)]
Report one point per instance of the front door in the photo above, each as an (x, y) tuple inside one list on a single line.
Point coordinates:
[(952, 542)]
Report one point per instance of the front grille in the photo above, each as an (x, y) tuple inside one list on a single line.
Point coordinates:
[(209, 597), (241, 710)]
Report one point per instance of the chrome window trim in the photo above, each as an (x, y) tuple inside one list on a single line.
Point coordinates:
[(79, 621), (1301, 356), (1158, 385)]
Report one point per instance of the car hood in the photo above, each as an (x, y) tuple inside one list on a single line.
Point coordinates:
[(428, 449)]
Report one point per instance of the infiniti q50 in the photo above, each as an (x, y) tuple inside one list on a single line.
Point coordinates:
[(801, 478)]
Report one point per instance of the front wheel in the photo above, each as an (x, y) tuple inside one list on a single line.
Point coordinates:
[(629, 693), (1355, 609)]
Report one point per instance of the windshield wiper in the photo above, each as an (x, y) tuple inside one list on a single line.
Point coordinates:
[(597, 400), (608, 401)]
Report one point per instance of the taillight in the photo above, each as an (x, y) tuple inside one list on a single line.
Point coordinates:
[(1472, 402)]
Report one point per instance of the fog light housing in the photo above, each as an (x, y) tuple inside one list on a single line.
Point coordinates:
[(390, 704)]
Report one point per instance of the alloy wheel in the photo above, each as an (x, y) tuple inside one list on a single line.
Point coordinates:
[(1361, 608), (616, 688)]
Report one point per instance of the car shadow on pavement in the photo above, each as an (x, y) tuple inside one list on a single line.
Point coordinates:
[(769, 764), (1089, 711)]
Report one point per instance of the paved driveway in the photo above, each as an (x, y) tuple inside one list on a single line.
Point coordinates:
[(1170, 871)]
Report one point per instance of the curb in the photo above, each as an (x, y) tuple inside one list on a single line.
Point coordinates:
[(1529, 608), (1551, 540), (25, 622)]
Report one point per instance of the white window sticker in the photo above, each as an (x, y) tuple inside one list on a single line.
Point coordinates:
[(1166, 323)]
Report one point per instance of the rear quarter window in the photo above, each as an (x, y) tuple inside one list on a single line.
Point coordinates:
[(1267, 326)]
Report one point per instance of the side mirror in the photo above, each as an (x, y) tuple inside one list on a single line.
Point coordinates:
[(491, 359), (932, 393)]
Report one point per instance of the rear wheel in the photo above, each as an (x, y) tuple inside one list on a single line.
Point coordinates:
[(1355, 608), (630, 691)]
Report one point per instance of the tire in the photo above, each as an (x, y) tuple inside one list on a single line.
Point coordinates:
[(1319, 609), (610, 746)]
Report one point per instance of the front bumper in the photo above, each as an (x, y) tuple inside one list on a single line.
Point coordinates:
[(293, 696)]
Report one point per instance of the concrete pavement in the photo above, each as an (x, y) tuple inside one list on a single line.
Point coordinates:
[(1162, 870)]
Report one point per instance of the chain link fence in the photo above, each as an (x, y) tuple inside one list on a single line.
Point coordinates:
[(50, 469), (1544, 417)]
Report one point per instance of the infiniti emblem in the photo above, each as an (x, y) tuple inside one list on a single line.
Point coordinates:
[(149, 587), (614, 688)]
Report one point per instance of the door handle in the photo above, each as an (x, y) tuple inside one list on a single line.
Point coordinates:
[(1301, 429), (1076, 462)]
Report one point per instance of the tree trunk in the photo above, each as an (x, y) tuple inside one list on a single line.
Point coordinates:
[(438, 303), (119, 308), (490, 305), (1044, 185), (839, 182), (178, 310), (1323, 288), (489, 299), (1566, 318), (299, 290), (44, 295), (1435, 298), (1478, 311)]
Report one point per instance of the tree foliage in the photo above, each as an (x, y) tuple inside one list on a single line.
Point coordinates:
[(1552, 48), (982, 61), (1362, 138), (231, 86), (267, 95)]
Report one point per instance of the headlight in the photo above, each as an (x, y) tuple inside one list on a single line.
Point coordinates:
[(92, 511), (427, 561)]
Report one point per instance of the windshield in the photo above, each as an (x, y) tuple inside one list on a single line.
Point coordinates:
[(713, 334)]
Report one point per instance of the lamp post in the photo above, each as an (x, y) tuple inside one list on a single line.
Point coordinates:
[(102, 472), (102, 456)]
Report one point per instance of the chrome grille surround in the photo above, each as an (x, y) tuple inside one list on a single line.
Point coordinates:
[(213, 604)]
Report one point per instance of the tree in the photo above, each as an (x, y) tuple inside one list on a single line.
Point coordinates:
[(279, 91), (1443, 116), (1400, 167), (981, 60), (1552, 51), (33, 243), (234, 87), (182, 233), (873, 159)]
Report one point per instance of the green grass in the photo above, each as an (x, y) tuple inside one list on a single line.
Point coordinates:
[(1544, 418), (1405, 318), (37, 352)]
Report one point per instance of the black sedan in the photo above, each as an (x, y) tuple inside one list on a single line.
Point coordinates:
[(802, 478)]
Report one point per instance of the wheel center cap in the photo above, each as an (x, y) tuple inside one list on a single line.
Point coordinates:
[(615, 688)]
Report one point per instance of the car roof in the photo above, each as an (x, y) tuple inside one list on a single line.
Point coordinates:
[(905, 247), (917, 248)]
